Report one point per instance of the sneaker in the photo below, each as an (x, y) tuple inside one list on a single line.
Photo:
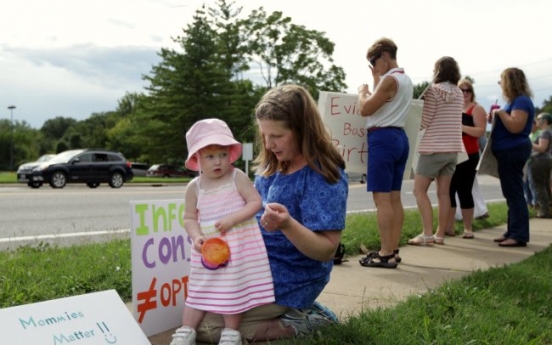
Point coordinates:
[(184, 336), (323, 310), (308, 321), (230, 337)]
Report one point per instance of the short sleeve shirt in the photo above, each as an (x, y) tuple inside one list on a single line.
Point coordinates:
[(503, 139), (319, 206)]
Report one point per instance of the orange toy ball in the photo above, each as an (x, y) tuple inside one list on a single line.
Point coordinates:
[(215, 253)]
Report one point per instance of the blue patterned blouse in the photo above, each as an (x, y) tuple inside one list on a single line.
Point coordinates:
[(318, 205)]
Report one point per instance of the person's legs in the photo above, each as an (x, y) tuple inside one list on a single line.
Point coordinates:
[(510, 164), (398, 219), (421, 186), (186, 335), (465, 191), (387, 159), (192, 317), (232, 320), (541, 178), (526, 188), (443, 200), (396, 186), (385, 222), (261, 323), (230, 334), (531, 184)]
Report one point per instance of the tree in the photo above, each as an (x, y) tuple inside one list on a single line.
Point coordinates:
[(546, 106), (419, 88), (184, 88), (53, 131), (288, 53)]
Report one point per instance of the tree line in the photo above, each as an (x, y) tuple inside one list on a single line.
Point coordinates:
[(222, 66)]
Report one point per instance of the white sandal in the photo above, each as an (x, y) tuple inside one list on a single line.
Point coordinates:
[(422, 240), (438, 240)]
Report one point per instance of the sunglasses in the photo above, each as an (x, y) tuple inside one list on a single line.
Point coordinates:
[(374, 59), (466, 90)]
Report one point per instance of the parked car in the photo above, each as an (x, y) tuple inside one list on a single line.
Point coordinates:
[(139, 169), (30, 165), (25, 167), (90, 166), (354, 176), (167, 170)]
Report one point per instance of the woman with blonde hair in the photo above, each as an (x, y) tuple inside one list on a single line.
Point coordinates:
[(512, 147)]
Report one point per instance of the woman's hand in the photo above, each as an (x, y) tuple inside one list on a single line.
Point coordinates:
[(363, 89), (275, 216)]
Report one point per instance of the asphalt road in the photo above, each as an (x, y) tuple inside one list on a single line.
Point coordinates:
[(76, 212)]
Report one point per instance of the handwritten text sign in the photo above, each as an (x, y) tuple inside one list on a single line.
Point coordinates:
[(90, 319), (160, 264), (342, 116)]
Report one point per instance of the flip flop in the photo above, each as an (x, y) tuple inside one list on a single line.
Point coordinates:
[(468, 235)]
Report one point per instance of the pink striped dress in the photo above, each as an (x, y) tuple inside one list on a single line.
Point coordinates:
[(246, 281)]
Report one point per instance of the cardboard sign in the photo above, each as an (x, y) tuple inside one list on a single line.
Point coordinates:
[(341, 115), (90, 319), (160, 251)]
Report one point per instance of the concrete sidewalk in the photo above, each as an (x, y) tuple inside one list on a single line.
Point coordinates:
[(353, 288)]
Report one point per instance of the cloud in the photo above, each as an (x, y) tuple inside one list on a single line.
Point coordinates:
[(110, 67)]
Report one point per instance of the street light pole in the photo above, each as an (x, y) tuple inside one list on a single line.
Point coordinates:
[(11, 108)]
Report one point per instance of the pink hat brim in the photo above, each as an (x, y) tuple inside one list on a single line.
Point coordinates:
[(216, 139)]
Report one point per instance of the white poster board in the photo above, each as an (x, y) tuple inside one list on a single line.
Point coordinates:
[(90, 319), (487, 164), (160, 251), (341, 115)]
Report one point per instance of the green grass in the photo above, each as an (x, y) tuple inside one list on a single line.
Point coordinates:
[(7, 177), (505, 305)]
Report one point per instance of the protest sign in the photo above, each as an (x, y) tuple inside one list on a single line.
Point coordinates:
[(89, 319), (341, 115), (160, 251)]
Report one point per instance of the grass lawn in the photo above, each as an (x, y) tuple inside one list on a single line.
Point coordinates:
[(506, 305)]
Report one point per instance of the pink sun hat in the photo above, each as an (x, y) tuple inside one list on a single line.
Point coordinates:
[(210, 132)]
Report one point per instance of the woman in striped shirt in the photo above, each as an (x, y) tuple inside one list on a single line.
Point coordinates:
[(439, 147)]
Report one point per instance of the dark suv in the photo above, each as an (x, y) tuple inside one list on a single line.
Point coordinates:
[(90, 166)]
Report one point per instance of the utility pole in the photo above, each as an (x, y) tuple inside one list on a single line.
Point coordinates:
[(11, 108)]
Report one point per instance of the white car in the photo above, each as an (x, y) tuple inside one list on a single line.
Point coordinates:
[(354, 176)]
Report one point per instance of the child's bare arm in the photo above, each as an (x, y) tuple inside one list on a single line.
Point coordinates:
[(191, 224), (252, 203)]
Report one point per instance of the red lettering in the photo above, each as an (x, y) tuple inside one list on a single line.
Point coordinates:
[(148, 304), (168, 295), (334, 105)]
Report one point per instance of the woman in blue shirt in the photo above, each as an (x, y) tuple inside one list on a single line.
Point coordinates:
[(511, 146)]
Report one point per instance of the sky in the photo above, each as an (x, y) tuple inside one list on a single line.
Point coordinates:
[(72, 58)]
